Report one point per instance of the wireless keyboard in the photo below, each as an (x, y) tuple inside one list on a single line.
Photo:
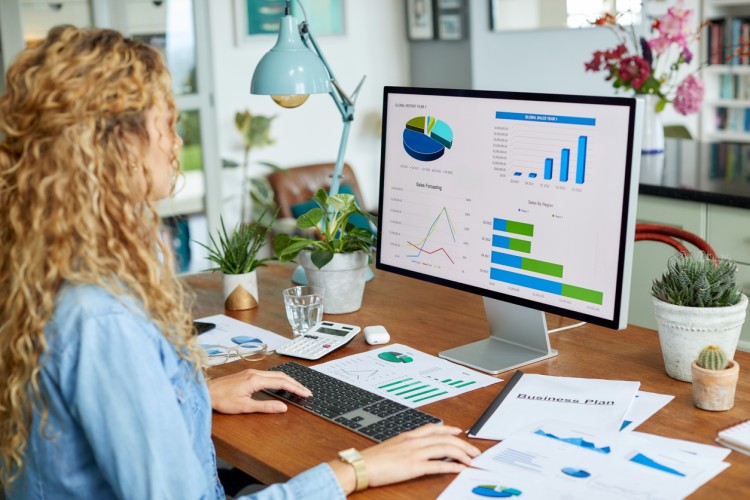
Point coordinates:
[(361, 411)]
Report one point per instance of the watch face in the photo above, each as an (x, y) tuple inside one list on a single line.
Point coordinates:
[(350, 455)]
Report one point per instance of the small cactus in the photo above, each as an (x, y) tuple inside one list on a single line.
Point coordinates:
[(712, 358)]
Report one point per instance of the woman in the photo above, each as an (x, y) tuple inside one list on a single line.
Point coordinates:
[(102, 393)]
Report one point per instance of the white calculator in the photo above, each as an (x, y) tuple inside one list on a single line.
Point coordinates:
[(319, 340)]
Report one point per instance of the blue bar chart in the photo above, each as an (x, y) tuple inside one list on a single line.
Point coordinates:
[(542, 147)]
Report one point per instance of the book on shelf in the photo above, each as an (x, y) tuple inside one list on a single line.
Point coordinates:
[(725, 39), (736, 437)]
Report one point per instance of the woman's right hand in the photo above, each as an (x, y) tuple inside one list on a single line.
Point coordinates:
[(409, 455)]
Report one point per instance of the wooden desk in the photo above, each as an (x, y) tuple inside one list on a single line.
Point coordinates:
[(432, 318)]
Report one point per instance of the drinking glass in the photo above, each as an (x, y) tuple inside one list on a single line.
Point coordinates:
[(304, 307)]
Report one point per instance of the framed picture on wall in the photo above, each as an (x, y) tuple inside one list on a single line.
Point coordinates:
[(449, 27), (262, 17), (419, 20)]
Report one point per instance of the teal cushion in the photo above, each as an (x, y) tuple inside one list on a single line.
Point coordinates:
[(356, 219)]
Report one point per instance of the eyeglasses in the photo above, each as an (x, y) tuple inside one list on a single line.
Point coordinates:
[(219, 354)]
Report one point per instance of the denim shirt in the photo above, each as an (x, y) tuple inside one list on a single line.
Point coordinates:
[(127, 417)]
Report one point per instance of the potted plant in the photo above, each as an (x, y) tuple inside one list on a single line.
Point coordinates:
[(256, 133), (697, 303), (236, 256), (714, 379), (336, 258)]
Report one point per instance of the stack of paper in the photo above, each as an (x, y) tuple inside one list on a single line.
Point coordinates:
[(553, 460), (600, 404)]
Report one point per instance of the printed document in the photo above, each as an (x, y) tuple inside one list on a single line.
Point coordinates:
[(556, 460), (591, 403), (230, 332), (405, 375), (644, 405)]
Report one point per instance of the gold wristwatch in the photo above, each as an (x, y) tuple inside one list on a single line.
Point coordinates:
[(355, 458)]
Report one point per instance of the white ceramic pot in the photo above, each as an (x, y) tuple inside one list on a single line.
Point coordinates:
[(342, 280), (685, 331), (240, 291)]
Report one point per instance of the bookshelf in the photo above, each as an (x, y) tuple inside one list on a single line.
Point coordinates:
[(726, 111)]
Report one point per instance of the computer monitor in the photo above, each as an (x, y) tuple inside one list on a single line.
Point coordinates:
[(525, 199)]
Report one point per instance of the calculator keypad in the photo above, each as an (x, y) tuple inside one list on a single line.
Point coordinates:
[(309, 347)]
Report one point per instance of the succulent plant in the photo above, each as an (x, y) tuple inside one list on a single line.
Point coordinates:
[(712, 358), (696, 280)]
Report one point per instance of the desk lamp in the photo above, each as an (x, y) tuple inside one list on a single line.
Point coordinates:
[(293, 69)]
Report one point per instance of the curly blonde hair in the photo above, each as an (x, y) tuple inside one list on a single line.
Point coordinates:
[(70, 207)]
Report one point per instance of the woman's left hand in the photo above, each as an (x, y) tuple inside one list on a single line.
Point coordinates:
[(234, 393)]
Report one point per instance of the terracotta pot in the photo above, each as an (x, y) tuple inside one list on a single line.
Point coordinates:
[(714, 389), (240, 291)]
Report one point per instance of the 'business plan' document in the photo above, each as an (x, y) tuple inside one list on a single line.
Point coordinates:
[(594, 403)]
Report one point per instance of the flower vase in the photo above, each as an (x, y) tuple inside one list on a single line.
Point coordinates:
[(652, 147)]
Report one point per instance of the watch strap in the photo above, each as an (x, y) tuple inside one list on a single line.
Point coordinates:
[(358, 463)]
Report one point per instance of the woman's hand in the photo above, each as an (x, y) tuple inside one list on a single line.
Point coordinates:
[(234, 393), (411, 454)]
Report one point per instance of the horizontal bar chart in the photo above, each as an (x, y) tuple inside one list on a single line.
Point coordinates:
[(545, 285), (499, 241), (509, 226), (527, 264)]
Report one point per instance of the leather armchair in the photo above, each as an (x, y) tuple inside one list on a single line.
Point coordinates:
[(298, 184)]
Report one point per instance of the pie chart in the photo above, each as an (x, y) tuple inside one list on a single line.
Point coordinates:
[(426, 138), (491, 490), (395, 357), (573, 472)]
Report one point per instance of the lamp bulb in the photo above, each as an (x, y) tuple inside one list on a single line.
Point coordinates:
[(290, 101)]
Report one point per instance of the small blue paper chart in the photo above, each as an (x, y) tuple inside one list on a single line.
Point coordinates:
[(573, 472), (426, 138), (495, 491)]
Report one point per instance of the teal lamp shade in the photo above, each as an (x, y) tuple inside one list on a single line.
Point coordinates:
[(290, 68)]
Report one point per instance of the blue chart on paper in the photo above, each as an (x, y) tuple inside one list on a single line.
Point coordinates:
[(495, 491), (244, 339), (426, 137), (576, 441), (573, 472), (642, 459)]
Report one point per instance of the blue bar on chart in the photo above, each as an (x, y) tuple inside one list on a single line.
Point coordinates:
[(581, 163), (547, 169), (532, 175), (516, 174), (564, 164)]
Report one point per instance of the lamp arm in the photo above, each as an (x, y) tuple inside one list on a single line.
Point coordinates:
[(340, 95)]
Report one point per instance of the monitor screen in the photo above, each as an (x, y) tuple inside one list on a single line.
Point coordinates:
[(519, 197)]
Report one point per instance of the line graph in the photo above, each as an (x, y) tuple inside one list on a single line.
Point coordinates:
[(421, 245)]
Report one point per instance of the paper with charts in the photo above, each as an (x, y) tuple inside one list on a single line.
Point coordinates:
[(405, 375), (557, 460), (230, 332)]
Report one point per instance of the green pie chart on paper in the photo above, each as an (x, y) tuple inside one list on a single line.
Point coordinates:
[(395, 357)]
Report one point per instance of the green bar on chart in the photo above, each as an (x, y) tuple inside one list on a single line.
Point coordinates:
[(393, 383), (412, 396), (430, 396), (465, 384), (411, 390)]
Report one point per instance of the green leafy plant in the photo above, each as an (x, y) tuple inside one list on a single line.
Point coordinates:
[(696, 280), (712, 358), (256, 133), (330, 220), (237, 252)]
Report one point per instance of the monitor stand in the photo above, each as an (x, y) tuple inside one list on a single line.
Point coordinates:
[(518, 336)]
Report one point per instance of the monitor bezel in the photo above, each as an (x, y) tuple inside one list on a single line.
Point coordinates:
[(627, 217)]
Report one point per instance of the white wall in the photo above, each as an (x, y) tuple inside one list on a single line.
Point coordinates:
[(374, 44), (546, 60)]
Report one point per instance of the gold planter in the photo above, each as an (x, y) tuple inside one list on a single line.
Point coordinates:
[(240, 291)]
